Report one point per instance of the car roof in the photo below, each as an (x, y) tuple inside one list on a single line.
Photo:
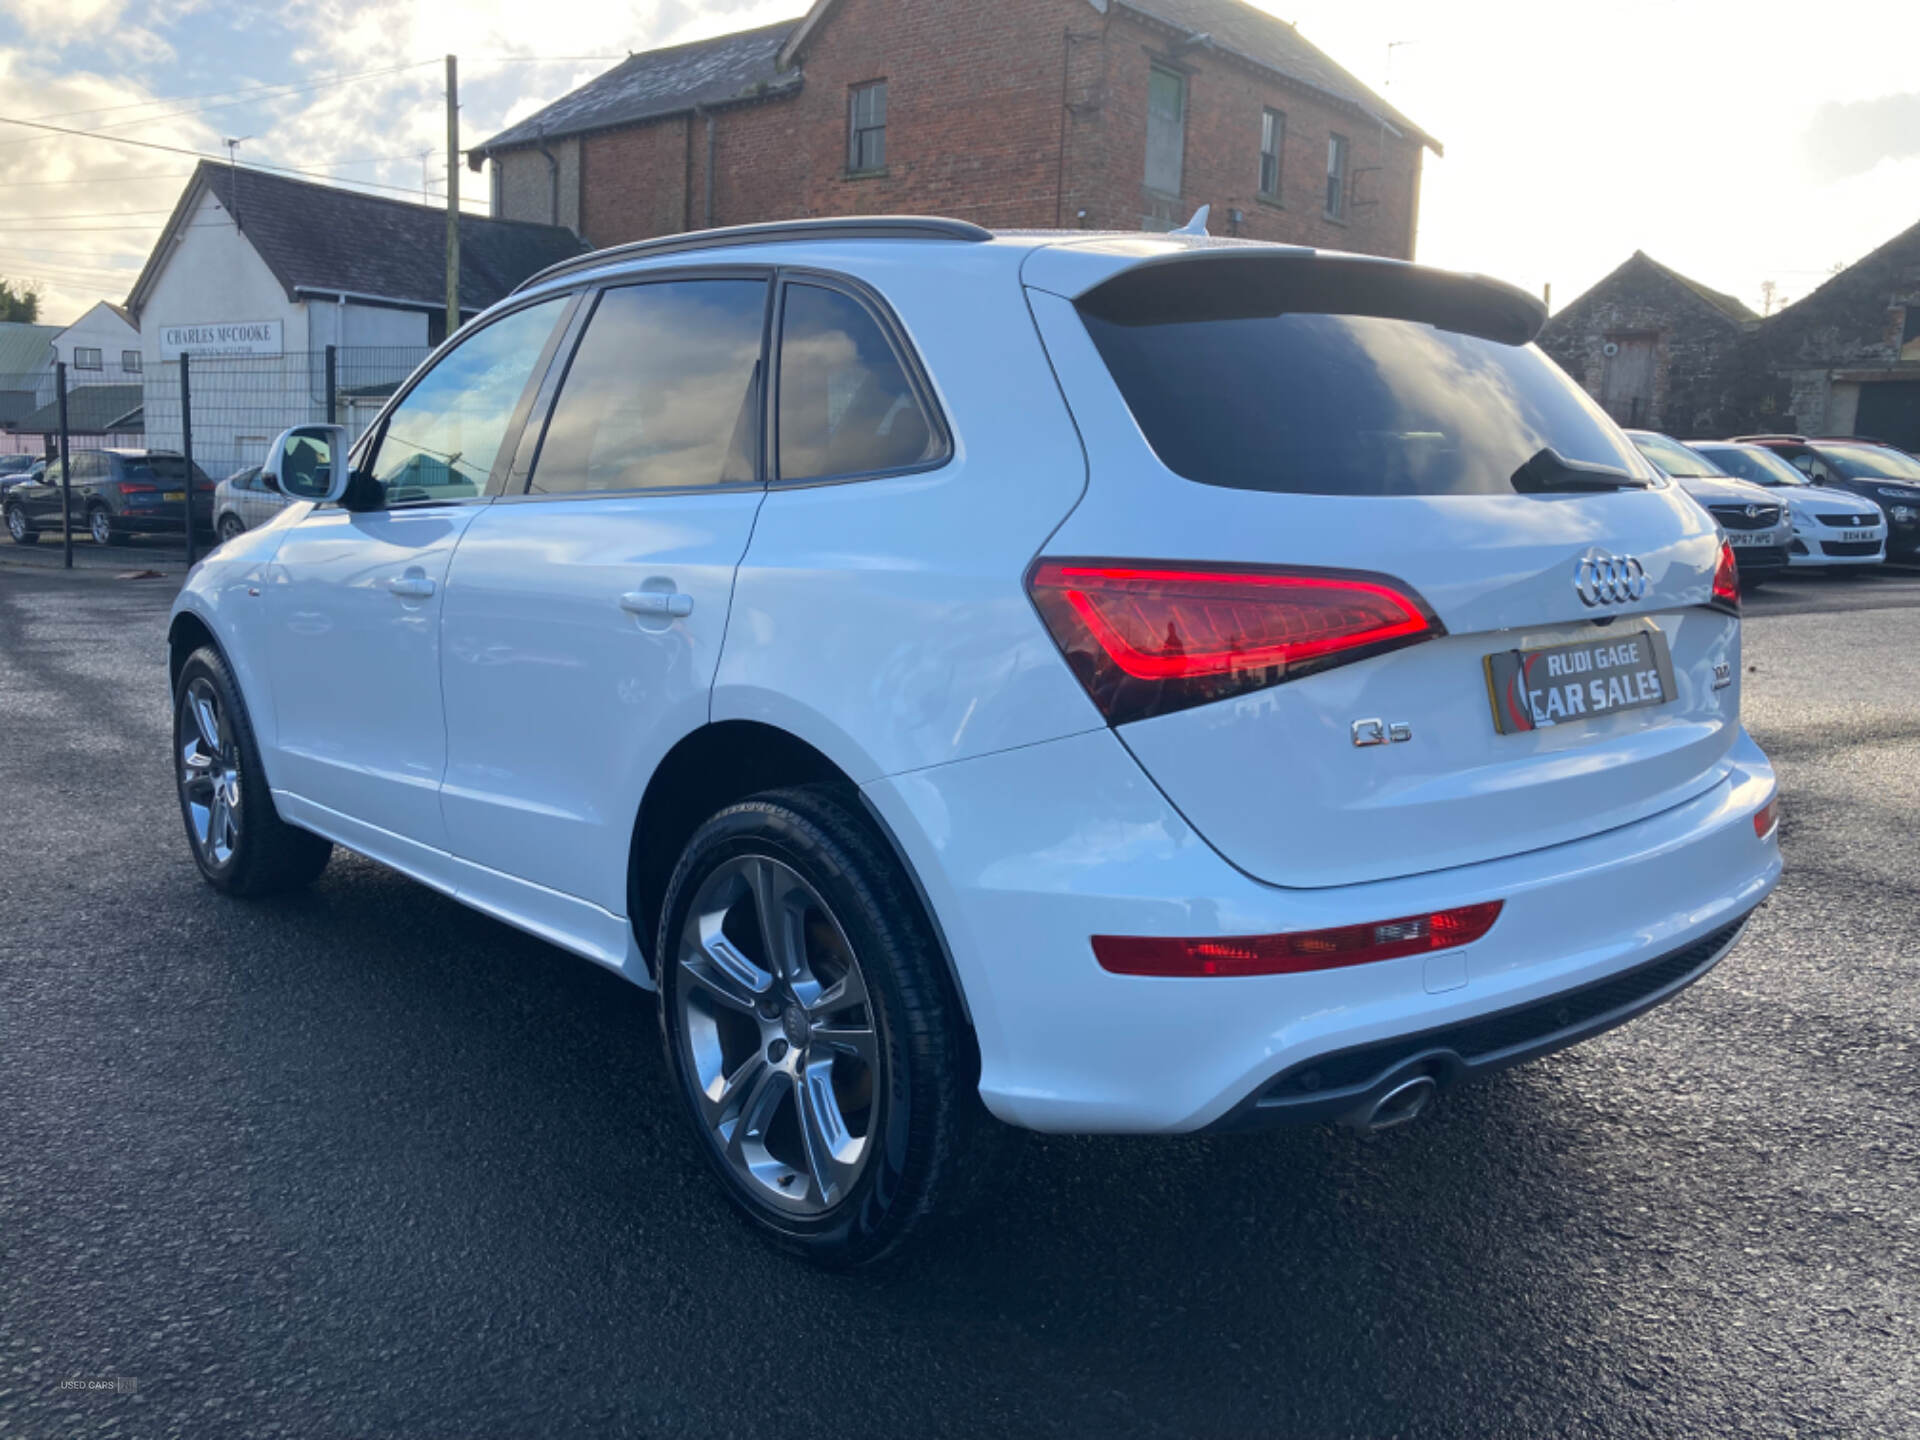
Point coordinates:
[(1066, 262)]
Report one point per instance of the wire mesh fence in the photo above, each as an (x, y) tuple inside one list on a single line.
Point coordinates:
[(166, 467)]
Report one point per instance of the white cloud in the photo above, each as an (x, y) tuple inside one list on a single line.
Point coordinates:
[(1574, 135)]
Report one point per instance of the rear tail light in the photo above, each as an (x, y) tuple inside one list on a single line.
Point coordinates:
[(1300, 951), (128, 488), (1147, 639), (1726, 580), (1767, 817)]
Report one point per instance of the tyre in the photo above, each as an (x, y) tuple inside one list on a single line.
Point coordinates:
[(100, 526), (19, 529), (238, 839), (813, 1032), (230, 527)]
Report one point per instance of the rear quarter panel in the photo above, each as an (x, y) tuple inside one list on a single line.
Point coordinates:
[(887, 621)]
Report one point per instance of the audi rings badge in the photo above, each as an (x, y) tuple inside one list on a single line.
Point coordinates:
[(1603, 579)]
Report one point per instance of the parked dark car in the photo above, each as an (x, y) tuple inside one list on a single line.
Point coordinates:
[(1888, 477), (16, 468), (115, 493)]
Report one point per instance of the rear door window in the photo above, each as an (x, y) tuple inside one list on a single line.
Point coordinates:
[(848, 406), (663, 392), (1335, 404)]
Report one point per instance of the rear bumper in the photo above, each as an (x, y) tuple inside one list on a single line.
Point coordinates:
[(1026, 854), (1350, 1084)]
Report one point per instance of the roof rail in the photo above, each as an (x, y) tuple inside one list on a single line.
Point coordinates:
[(858, 227)]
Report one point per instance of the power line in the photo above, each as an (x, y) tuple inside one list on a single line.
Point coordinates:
[(182, 150), (95, 180), (89, 215), (319, 84)]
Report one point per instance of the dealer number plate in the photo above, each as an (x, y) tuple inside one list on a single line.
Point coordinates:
[(1534, 689)]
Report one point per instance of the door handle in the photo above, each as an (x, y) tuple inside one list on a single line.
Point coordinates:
[(656, 604), (411, 587)]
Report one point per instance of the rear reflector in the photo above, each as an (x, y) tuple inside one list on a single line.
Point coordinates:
[(1147, 639), (1767, 816), (1726, 580), (1300, 951)]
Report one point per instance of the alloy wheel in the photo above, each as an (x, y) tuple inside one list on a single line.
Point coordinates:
[(16, 523), (101, 527), (778, 1036), (230, 527), (209, 774)]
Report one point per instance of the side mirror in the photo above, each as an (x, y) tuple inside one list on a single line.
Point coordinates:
[(309, 462)]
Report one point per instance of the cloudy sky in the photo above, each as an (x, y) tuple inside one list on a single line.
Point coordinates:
[(1740, 141)]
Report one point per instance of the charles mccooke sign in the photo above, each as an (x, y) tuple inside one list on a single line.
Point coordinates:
[(224, 337)]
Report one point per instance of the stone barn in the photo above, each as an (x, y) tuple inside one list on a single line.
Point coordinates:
[(1655, 348)]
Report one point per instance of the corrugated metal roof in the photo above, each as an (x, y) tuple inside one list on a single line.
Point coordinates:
[(91, 410), (661, 82), (25, 348)]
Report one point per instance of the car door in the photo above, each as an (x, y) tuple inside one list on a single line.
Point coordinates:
[(355, 594), (585, 617)]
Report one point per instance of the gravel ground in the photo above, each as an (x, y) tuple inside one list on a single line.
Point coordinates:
[(363, 1163)]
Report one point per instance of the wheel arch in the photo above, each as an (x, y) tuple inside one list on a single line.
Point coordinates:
[(721, 764), (186, 634)]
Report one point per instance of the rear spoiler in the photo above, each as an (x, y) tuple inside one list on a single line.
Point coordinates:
[(1254, 282)]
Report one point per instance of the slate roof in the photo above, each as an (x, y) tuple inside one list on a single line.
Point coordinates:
[(1273, 44), (1727, 305), (91, 410), (323, 238), (1234, 28), (660, 82), (25, 348)]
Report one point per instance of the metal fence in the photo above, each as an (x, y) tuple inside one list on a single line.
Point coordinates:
[(219, 412)]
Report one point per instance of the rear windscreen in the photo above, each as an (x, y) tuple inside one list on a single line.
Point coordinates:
[(1312, 404)]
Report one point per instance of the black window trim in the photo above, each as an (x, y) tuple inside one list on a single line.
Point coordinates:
[(1279, 117), (375, 435), (904, 354), (533, 437), (855, 130)]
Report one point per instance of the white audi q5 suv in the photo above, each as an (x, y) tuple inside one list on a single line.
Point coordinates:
[(1062, 682)]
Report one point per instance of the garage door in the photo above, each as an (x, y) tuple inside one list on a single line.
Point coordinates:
[(1890, 411)]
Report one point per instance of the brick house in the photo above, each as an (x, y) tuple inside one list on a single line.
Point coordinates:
[(1653, 347), (1097, 114)]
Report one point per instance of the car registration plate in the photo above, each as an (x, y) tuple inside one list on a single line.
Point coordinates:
[(1849, 535), (1535, 689), (174, 495), (1744, 538)]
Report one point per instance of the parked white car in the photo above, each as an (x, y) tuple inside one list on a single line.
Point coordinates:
[(243, 500), (1831, 527), (1077, 683)]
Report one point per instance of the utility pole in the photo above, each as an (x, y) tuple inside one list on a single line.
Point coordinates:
[(453, 194)]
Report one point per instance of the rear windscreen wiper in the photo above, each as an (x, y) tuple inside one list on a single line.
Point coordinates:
[(1551, 473)]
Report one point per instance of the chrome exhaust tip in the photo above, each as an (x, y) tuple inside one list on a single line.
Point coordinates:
[(1405, 1102)]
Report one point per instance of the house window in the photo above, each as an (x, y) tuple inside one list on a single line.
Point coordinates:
[(87, 357), (130, 361), (1336, 177), (867, 128), (1273, 134), (1166, 129)]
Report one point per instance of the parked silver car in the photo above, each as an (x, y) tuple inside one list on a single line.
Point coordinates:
[(245, 499)]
